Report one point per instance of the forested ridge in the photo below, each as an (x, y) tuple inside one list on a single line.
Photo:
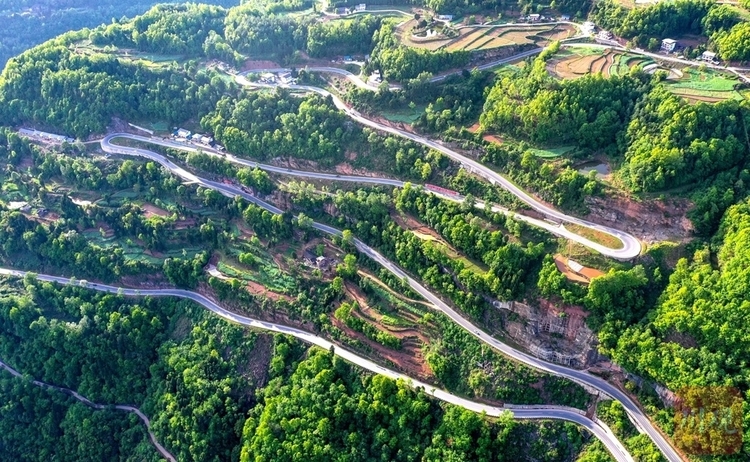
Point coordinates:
[(184, 367), (53, 86), (27, 23)]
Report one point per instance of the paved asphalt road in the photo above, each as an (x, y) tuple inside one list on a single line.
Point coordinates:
[(599, 429), (554, 228), (252, 164), (631, 246), (582, 377), (120, 407)]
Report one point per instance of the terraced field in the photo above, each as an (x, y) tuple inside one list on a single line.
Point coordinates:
[(588, 61), (486, 38), (466, 40)]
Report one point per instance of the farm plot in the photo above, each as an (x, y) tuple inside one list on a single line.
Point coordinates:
[(589, 61), (552, 153), (575, 66), (466, 40), (517, 36), (479, 43), (623, 63), (559, 32), (257, 266), (706, 86), (473, 39)]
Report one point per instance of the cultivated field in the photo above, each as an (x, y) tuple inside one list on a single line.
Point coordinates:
[(571, 65), (693, 84), (466, 40), (486, 38), (707, 86)]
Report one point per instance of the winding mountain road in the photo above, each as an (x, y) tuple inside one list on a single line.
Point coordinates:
[(554, 228), (120, 407), (584, 378), (599, 429), (631, 246)]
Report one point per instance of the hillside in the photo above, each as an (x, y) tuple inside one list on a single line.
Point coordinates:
[(286, 234)]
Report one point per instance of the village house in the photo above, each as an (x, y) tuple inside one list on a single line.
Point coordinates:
[(709, 56), (286, 78), (668, 45), (604, 35)]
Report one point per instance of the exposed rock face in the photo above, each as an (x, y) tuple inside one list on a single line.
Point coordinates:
[(651, 220), (552, 333)]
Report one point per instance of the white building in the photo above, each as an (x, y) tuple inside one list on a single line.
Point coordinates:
[(604, 35), (267, 77), (668, 45), (708, 56), (588, 27), (183, 133), (444, 17), (360, 7), (286, 78), (534, 17), (32, 133)]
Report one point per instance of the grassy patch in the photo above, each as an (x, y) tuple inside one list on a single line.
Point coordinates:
[(552, 153), (446, 249), (124, 194), (694, 79), (706, 85), (406, 115), (263, 270), (594, 235)]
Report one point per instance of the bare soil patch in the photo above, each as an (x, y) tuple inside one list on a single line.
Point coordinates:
[(251, 65), (408, 222), (255, 369), (184, 223), (259, 289), (572, 67), (584, 276), (409, 359), (150, 210), (649, 220)]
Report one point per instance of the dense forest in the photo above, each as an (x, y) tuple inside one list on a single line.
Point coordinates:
[(64, 428), (54, 86), (695, 335), (27, 23), (590, 111), (189, 372)]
